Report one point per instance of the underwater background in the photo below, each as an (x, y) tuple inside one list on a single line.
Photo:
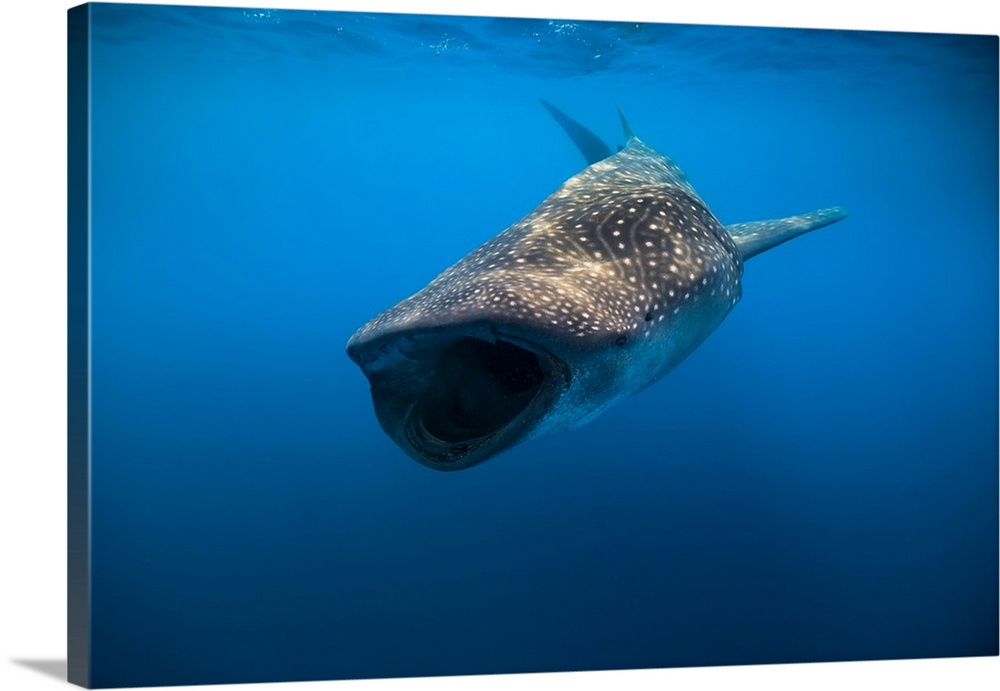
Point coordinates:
[(818, 481)]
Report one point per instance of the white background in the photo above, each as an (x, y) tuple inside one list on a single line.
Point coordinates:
[(33, 337)]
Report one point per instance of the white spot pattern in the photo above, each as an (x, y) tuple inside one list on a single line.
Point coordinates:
[(587, 262)]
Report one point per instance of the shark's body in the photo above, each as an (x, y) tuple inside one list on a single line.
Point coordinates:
[(601, 290)]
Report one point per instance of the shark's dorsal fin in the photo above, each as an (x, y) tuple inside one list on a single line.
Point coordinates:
[(626, 128), (590, 145), (757, 236)]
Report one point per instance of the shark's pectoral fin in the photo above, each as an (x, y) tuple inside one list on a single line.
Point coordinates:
[(757, 236)]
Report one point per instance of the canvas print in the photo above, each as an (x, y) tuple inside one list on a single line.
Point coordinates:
[(411, 345)]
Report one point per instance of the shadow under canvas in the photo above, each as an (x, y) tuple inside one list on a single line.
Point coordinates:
[(51, 668)]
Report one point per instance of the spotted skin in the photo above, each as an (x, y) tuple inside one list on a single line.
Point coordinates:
[(601, 290), (626, 238)]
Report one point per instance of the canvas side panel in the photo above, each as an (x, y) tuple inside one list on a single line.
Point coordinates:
[(78, 345)]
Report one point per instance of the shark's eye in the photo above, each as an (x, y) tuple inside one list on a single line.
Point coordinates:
[(621, 340)]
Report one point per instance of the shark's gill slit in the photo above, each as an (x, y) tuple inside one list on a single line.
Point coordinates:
[(478, 388)]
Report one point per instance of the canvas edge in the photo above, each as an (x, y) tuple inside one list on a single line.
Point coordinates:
[(78, 345)]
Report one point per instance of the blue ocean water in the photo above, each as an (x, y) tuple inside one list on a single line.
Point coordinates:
[(818, 481)]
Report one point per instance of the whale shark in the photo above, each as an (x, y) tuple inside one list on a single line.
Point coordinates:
[(598, 292)]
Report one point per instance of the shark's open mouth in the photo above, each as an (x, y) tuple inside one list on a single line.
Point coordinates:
[(476, 390), (451, 400)]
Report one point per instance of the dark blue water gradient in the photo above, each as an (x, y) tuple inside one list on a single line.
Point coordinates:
[(817, 482)]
